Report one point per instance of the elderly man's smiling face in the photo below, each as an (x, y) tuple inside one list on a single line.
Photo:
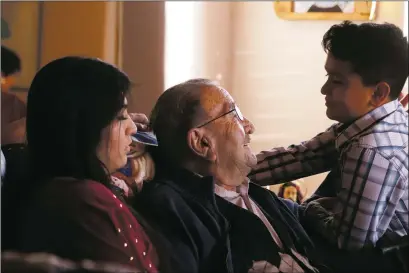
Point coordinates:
[(223, 135)]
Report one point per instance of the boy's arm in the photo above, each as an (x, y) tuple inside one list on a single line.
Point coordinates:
[(311, 157)]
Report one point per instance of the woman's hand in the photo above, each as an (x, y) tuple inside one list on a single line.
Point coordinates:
[(141, 121)]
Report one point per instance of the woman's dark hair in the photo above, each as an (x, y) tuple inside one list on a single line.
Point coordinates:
[(70, 101), (376, 52), (10, 62), (300, 196)]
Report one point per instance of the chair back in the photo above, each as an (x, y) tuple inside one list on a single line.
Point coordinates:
[(16, 158), (16, 173)]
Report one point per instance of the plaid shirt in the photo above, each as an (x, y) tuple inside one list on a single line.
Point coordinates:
[(371, 155)]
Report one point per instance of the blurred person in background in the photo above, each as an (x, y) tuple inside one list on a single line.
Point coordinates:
[(13, 110)]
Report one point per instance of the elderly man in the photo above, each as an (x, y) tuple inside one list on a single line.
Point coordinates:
[(366, 192), (201, 199)]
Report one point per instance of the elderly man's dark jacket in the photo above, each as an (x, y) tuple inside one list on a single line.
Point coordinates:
[(209, 234)]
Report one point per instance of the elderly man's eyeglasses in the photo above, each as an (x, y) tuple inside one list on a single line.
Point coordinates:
[(235, 109)]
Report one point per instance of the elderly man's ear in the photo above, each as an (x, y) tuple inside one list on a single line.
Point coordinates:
[(201, 144)]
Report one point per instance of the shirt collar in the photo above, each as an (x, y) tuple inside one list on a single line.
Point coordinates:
[(365, 122), (242, 190)]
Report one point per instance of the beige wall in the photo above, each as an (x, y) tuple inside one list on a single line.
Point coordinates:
[(218, 43)]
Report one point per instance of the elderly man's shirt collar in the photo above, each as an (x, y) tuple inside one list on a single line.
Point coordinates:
[(242, 190)]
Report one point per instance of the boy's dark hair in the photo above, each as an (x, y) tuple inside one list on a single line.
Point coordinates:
[(376, 52), (10, 62)]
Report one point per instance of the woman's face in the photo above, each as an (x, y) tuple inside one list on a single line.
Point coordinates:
[(115, 141)]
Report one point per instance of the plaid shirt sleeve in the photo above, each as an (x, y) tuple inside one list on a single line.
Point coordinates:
[(371, 188), (311, 157)]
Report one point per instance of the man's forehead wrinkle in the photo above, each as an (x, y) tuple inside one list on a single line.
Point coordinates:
[(215, 100)]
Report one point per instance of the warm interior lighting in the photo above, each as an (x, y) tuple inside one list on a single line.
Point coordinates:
[(180, 20)]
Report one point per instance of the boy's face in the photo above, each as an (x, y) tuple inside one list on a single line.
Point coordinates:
[(346, 97)]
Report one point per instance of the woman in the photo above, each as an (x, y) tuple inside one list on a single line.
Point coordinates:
[(78, 134)]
